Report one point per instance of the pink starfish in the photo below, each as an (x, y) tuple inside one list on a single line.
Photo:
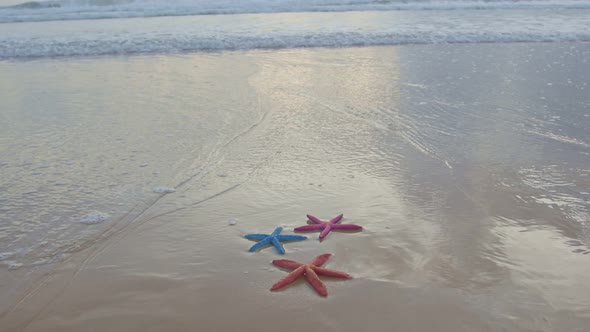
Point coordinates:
[(311, 272), (326, 226)]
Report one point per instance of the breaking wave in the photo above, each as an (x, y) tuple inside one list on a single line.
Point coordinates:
[(101, 9)]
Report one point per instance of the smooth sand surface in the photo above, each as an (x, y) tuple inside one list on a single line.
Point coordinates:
[(451, 156)]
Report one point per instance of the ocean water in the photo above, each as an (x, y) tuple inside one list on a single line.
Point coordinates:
[(103, 146), (76, 27)]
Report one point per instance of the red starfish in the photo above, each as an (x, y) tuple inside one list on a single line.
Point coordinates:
[(326, 226), (311, 272)]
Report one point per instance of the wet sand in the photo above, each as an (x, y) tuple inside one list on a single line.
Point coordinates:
[(468, 166)]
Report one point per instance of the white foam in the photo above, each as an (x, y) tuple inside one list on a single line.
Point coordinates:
[(107, 44), (94, 217), (163, 190)]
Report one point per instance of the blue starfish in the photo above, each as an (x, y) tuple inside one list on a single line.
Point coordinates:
[(273, 238)]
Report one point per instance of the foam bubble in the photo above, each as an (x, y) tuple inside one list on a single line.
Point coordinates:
[(15, 266), (163, 190), (94, 217)]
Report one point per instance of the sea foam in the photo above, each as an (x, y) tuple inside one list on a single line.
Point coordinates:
[(170, 35)]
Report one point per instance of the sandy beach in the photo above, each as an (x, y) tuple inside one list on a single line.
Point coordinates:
[(466, 164)]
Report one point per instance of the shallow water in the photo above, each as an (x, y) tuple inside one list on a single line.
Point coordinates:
[(78, 140), (467, 165)]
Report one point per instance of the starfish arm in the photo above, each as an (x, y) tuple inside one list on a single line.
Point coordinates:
[(331, 273), (289, 278), (320, 260), (347, 226), (336, 219), (260, 244), (313, 219), (256, 236), (291, 237), (286, 263), (278, 245), (315, 282), (277, 231), (308, 228), (325, 231)]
